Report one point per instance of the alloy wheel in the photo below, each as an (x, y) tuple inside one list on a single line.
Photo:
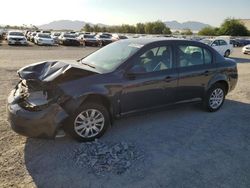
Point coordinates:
[(216, 98), (89, 123)]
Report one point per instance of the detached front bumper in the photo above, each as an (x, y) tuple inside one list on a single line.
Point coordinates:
[(42, 124)]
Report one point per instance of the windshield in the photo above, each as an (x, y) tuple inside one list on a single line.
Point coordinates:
[(57, 34), (16, 34), (104, 36), (122, 37), (69, 36), (208, 42), (89, 36), (110, 57), (44, 36)]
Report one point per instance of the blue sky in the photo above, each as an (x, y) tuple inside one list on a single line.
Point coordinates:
[(111, 12)]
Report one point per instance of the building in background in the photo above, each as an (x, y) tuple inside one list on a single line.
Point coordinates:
[(246, 22)]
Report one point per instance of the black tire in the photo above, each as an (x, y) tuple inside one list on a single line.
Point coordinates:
[(227, 53), (70, 126), (206, 101)]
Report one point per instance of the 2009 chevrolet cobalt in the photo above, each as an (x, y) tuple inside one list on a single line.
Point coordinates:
[(83, 97)]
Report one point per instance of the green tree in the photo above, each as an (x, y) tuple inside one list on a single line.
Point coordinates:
[(96, 28), (149, 28), (233, 27), (187, 32), (157, 27), (208, 31), (140, 28), (167, 31), (87, 28)]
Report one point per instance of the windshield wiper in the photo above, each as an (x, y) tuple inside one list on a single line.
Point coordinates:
[(88, 65), (80, 60)]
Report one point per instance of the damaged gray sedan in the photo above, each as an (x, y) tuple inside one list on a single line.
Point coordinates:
[(129, 76)]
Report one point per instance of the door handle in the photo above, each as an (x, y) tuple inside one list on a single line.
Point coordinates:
[(206, 73), (168, 78)]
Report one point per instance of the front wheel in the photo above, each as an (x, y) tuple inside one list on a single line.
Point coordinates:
[(214, 98), (89, 122)]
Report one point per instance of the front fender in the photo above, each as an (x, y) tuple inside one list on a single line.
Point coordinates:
[(74, 102)]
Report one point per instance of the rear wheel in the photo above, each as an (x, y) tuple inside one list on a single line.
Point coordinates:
[(214, 98), (89, 122), (227, 53)]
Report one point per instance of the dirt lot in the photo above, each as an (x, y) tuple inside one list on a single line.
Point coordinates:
[(181, 147)]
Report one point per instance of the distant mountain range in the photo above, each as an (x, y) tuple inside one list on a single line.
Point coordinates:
[(78, 25), (66, 25), (194, 26)]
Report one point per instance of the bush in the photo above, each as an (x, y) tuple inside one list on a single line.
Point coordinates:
[(208, 31), (233, 27)]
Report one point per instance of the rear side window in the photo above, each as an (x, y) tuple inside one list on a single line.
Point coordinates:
[(193, 55), (222, 42), (207, 56)]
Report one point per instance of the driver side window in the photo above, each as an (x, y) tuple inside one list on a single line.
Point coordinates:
[(156, 59)]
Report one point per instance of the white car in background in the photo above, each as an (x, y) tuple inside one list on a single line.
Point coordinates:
[(220, 45), (55, 36), (1, 34), (43, 39), (246, 49), (16, 37)]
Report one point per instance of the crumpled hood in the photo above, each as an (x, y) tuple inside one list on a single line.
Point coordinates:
[(55, 71)]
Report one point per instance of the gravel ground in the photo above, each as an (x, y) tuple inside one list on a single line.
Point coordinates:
[(181, 147)]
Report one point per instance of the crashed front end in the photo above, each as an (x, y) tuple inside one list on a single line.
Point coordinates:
[(36, 105), (34, 113)]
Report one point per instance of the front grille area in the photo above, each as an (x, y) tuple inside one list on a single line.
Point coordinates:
[(23, 89), (17, 39)]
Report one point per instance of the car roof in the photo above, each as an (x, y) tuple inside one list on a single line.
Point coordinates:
[(15, 31), (144, 40), (43, 34)]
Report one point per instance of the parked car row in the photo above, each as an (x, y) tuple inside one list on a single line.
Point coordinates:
[(72, 38), (223, 44)]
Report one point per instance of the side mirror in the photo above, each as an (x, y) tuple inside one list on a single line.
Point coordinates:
[(135, 70), (213, 44)]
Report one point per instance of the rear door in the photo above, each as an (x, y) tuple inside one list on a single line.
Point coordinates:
[(196, 68), (224, 46)]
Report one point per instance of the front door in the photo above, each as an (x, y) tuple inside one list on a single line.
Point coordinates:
[(154, 85)]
